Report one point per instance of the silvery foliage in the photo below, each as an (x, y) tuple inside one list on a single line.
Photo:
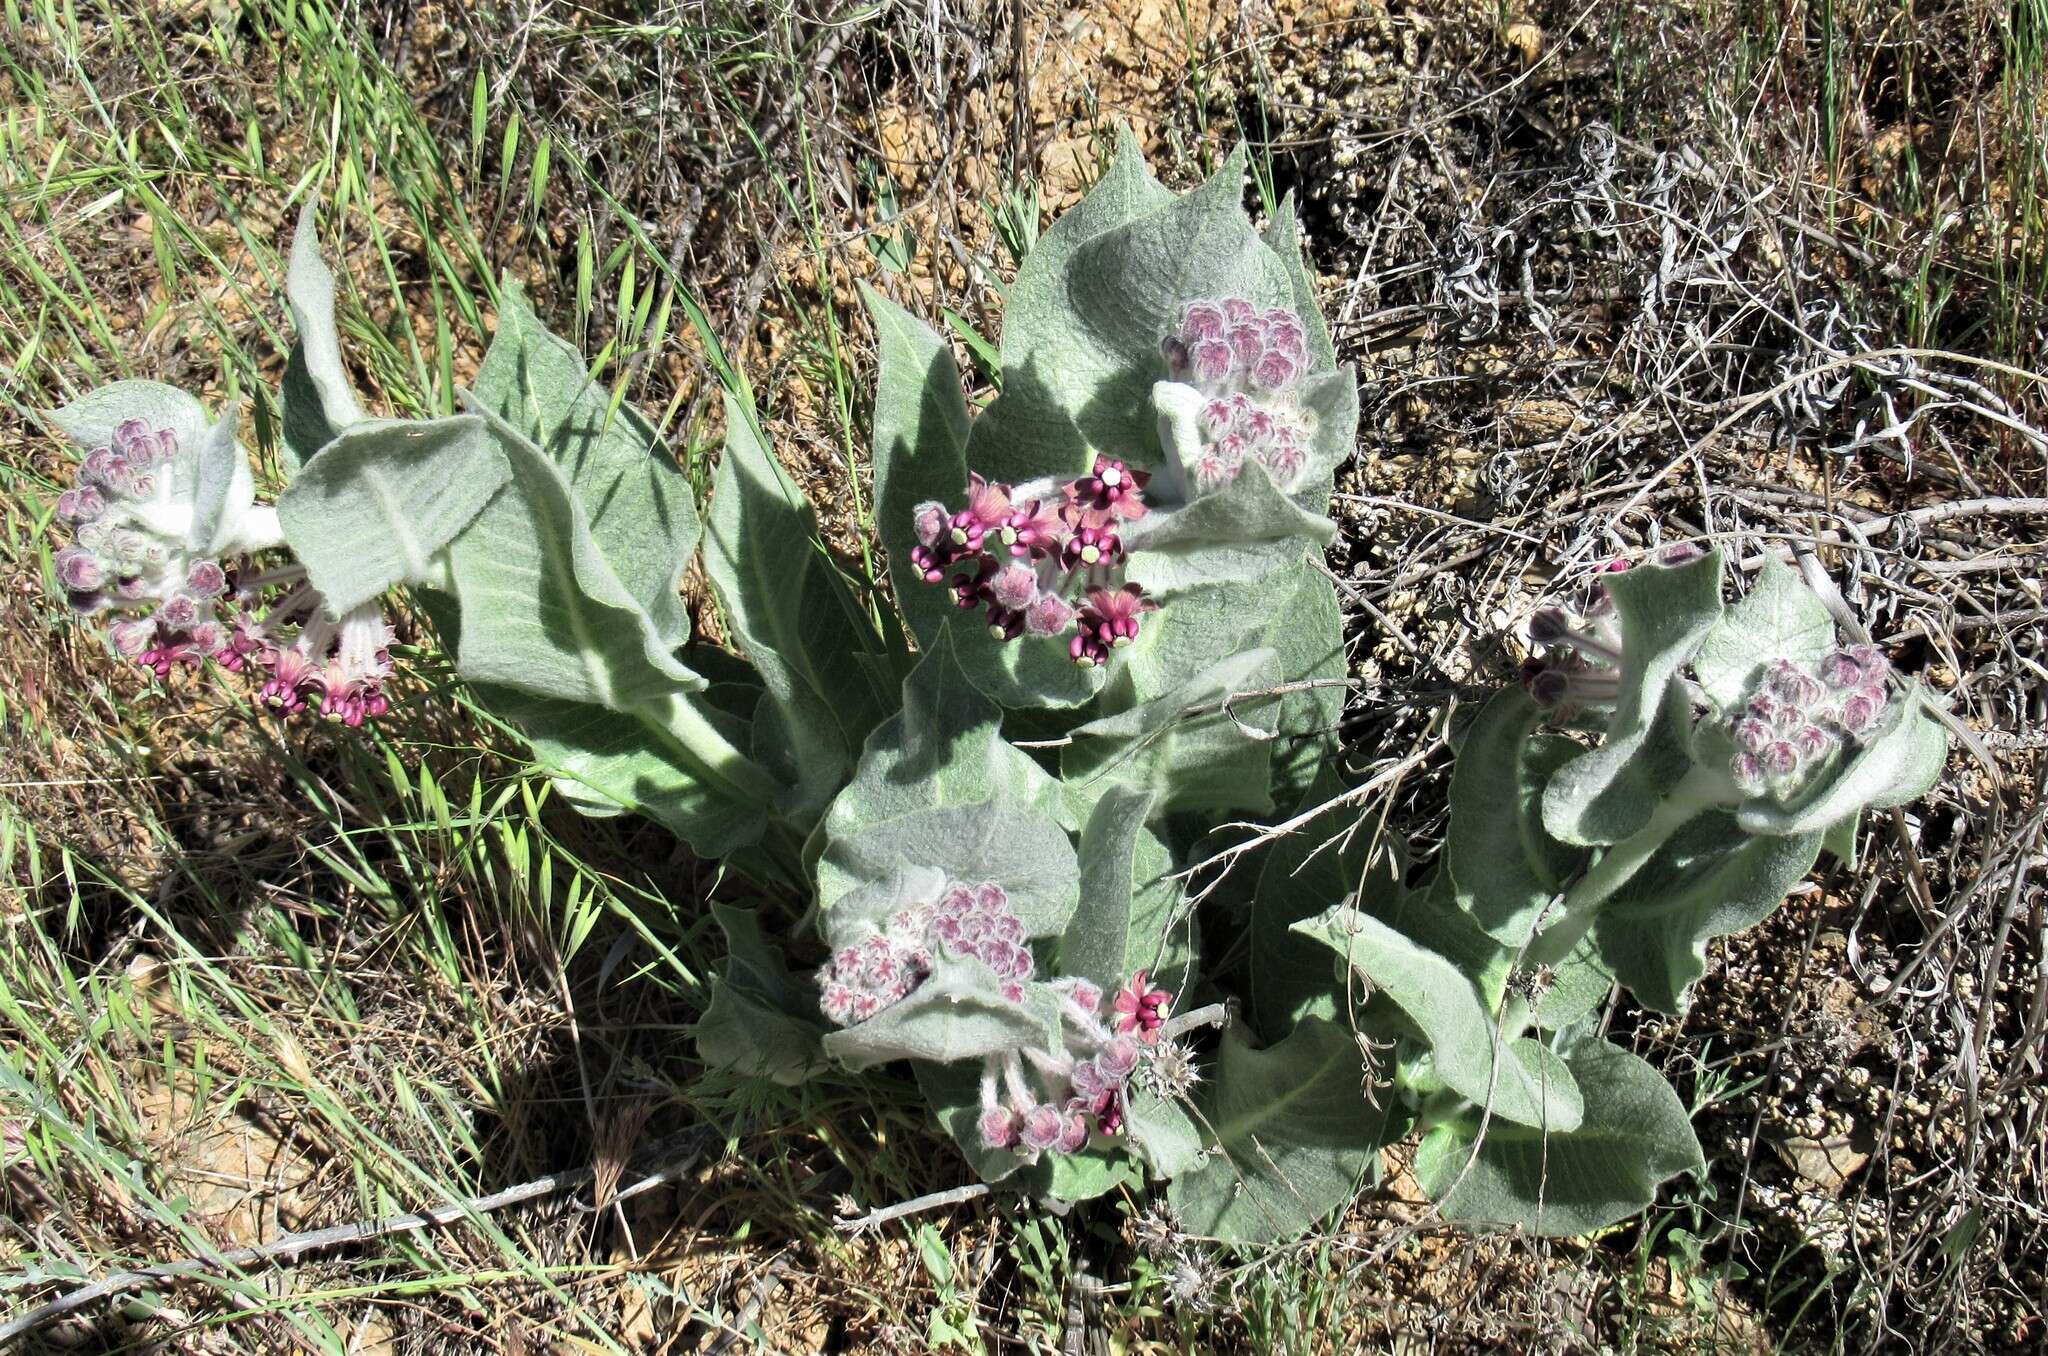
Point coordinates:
[(1729, 746), (991, 827)]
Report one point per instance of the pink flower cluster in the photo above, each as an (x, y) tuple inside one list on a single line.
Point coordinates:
[(967, 921), (977, 921), (1247, 362), (129, 556), (880, 970), (1796, 719), (1038, 1102), (1041, 562)]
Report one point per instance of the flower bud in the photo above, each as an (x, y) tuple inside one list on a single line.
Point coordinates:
[(1676, 554), (1549, 626), (1862, 709), (81, 504), (1000, 1128), (1211, 361), (929, 520), (1753, 735), (79, 570), (206, 579), (179, 611), (1015, 587), (1073, 1131), (1793, 684), (1043, 1127), (1119, 1059), (1546, 683), (1202, 320), (131, 637), (1274, 370), (1748, 770), (1050, 615)]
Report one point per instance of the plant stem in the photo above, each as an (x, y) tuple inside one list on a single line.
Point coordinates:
[(725, 767), (1437, 1108), (1699, 790)]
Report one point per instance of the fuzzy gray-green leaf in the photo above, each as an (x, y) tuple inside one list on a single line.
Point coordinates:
[(1781, 618), (1246, 530), (790, 611), (1127, 899), (956, 1014), (1085, 317), (1326, 857), (1636, 1136), (1013, 846), (384, 499), (90, 420), (544, 606), (1445, 1007), (639, 510), (1506, 866), (762, 1021), (604, 762), (944, 749), (919, 448), (1709, 879), (1213, 758), (319, 403), (222, 490), (1607, 793), (1290, 1136)]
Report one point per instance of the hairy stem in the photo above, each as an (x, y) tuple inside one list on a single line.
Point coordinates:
[(1701, 789), (733, 773)]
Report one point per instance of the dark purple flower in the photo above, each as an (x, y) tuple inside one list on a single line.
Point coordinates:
[(1032, 531), (1140, 1009), (1110, 617), (1092, 546), (293, 678)]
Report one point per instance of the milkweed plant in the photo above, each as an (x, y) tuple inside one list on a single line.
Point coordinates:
[(1108, 646)]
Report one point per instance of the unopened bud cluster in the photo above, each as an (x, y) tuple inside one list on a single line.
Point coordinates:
[(131, 518), (1247, 363), (1797, 718), (886, 966), (1041, 561), (1036, 1102), (1578, 659)]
